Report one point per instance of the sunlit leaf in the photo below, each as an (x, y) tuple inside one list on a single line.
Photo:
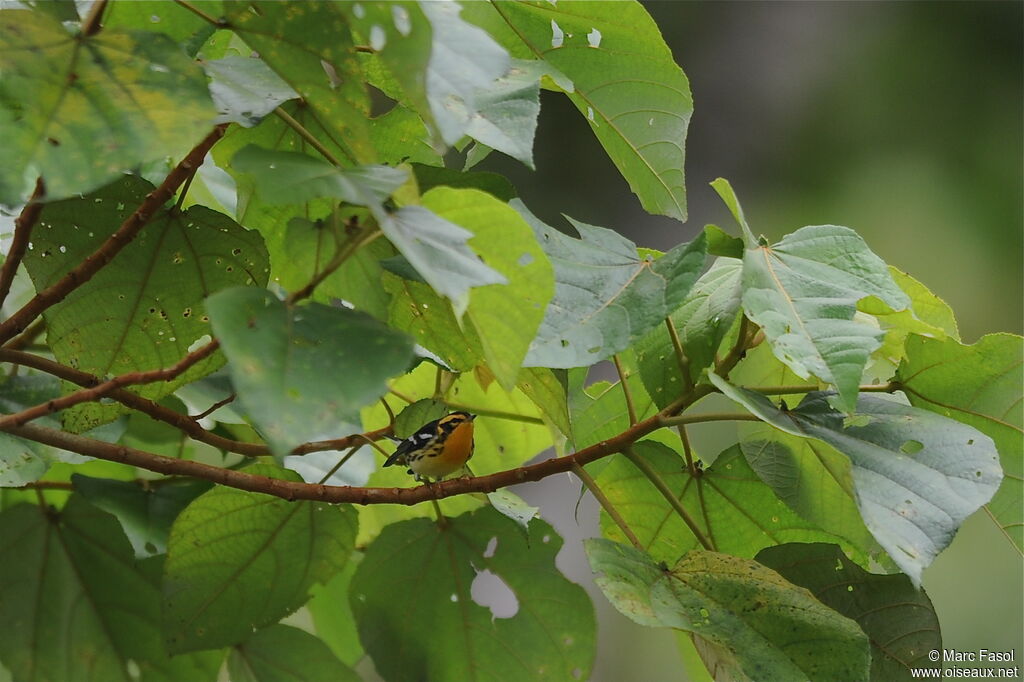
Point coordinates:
[(77, 594), (898, 618), (540, 626), (304, 371), (80, 110), (774, 630), (332, 615), (980, 385), (229, 544)]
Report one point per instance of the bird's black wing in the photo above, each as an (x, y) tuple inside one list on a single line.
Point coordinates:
[(414, 442)]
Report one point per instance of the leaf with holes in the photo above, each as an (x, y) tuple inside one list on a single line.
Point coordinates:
[(606, 296), (627, 85), (76, 593), (310, 47), (536, 625), (229, 544), (775, 630), (804, 291), (916, 475), (282, 653), (980, 385), (898, 618), (144, 309), (303, 372), (80, 110), (731, 507)]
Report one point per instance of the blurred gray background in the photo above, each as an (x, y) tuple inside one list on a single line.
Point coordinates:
[(900, 120)]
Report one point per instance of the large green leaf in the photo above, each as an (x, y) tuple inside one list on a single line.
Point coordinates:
[(229, 545), (804, 291), (144, 309), (303, 373), (547, 389), (310, 47), (916, 475), (627, 85), (606, 296), (332, 615), (145, 513), (505, 316), (419, 572), (245, 89), (701, 322), (774, 629), (281, 653), (736, 511), (898, 618), (75, 594), (79, 110), (980, 385)]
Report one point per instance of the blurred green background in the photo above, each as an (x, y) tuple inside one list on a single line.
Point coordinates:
[(900, 120)]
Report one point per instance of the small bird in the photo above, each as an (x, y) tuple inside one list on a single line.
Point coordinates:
[(438, 448)]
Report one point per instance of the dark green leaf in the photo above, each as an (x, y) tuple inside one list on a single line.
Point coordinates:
[(804, 291), (400, 136), (543, 630), (731, 506), (775, 630), (160, 16), (428, 177), (74, 594), (980, 385), (81, 110), (898, 618), (145, 513), (332, 615), (421, 412), (721, 243), (627, 85), (244, 89), (303, 372), (229, 545), (913, 498), (702, 322), (310, 47), (281, 653), (606, 296)]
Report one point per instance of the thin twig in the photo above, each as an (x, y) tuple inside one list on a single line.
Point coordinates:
[(341, 462), (23, 225), (479, 411), (647, 470), (26, 338), (184, 188), (219, 23), (687, 450), (888, 387), (391, 414), (607, 505), (681, 358), (84, 271), (92, 23), (738, 350), (213, 408), (364, 236), (630, 408), (307, 136), (709, 417), (46, 485)]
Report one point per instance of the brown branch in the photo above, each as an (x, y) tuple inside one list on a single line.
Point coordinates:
[(630, 408), (219, 23), (26, 338), (92, 23), (213, 408), (182, 422), (23, 225), (84, 271)]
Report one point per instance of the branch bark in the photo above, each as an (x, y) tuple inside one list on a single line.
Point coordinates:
[(84, 271), (23, 225)]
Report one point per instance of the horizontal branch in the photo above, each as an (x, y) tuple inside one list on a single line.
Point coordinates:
[(84, 271)]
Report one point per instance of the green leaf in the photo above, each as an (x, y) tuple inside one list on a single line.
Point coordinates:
[(514, 507), (980, 385), (332, 616), (77, 594), (898, 618), (731, 506), (21, 460), (505, 315), (310, 47), (283, 177), (281, 653), (144, 310), (162, 16), (927, 307), (600, 412), (245, 89), (916, 475), (400, 136), (721, 243), (606, 296), (303, 372), (803, 292), (419, 413), (532, 635), (775, 630), (229, 545), (725, 191), (547, 389), (79, 110), (627, 85), (506, 116), (702, 322), (145, 513), (428, 177)]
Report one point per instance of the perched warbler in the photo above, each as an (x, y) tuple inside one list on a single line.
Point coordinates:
[(438, 448)]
